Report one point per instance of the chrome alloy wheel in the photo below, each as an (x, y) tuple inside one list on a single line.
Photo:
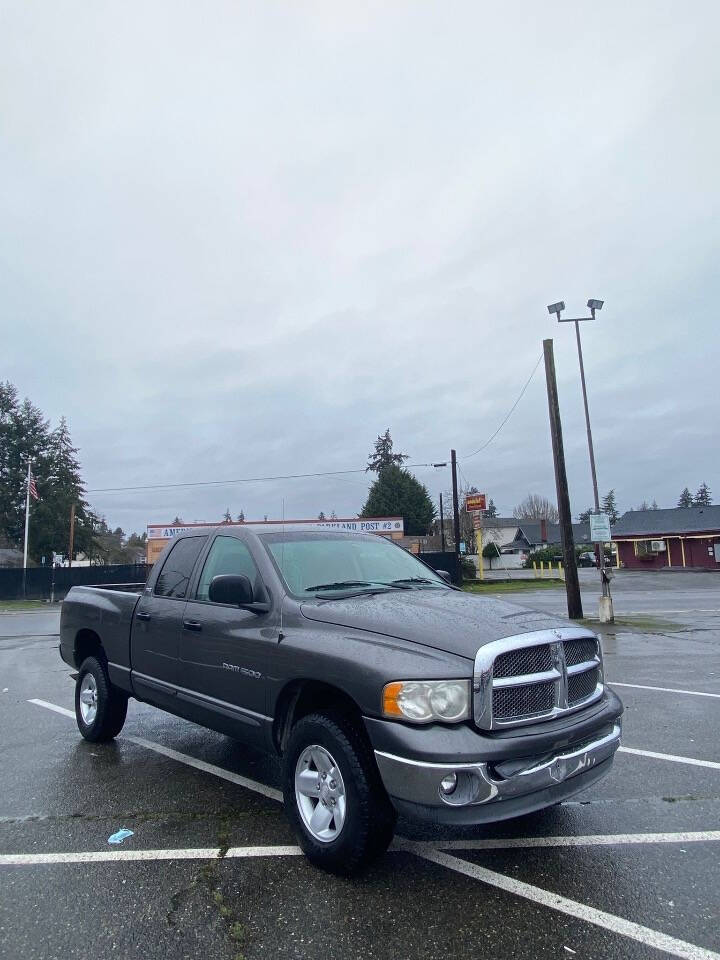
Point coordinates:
[(88, 699), (320, 793)]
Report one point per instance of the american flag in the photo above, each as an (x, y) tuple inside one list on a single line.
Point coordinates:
[(32, 488)]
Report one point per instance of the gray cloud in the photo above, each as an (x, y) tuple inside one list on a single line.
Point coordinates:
[(241, 240)]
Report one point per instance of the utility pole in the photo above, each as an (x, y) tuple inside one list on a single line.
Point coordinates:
[(442, 526), (572, 584), (72, 534), (456, 509)]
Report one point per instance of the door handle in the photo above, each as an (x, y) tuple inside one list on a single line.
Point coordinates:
[(192, 625), (141, 615)]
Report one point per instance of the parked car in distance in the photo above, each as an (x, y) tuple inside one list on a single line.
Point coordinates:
[(587, 559), (381, 688)]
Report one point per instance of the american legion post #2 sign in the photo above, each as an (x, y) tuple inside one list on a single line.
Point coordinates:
[(158, 534)]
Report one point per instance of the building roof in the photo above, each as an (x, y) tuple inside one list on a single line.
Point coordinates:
[(530, 531), (499, 522), (676, 520)]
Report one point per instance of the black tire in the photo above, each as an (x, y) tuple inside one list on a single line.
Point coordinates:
[(110, 703), (369, 819)]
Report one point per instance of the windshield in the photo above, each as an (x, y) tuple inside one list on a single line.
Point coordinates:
[(310, 563)]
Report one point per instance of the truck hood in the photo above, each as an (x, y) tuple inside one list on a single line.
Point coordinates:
[(447, 620)]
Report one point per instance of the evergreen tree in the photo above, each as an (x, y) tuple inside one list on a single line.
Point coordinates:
[(686, 498), (241, 517), (383, 455), (610, 506), (584, 517), (491, 509), (396, 493), (321, 516), (703, 497), (60, 486), (24, 436), (654, 505), (227, 516)]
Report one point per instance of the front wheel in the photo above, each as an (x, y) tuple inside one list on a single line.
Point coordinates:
[(100, 708), (334, 797)]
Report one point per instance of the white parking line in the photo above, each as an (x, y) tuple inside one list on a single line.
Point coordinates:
[(590, 840), (53, 706), (401, 845), (711, 764), (253, 785), (642, 686), (189, 761), (110, 856), (581, 911)]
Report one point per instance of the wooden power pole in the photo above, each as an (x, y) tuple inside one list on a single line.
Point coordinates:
[(72, 534), (572, 584), (456, 508)]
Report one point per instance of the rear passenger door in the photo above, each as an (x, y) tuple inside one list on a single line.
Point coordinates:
[(157, 624), (224, 650)]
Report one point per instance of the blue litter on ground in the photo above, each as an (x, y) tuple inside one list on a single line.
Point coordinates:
[(120, 836)]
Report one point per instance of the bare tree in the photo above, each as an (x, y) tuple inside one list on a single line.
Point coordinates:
[(535, 507)]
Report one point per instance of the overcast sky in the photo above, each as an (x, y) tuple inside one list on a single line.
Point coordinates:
[(242, 239)]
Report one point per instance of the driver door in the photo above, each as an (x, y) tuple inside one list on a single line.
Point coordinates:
[(224, 650)]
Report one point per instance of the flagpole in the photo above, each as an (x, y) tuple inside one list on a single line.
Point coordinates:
[(27, 527)]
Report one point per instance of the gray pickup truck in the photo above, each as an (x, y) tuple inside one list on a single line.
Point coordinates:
[(382, 688)]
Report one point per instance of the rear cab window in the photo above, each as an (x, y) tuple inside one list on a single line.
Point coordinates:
[(175, 575)]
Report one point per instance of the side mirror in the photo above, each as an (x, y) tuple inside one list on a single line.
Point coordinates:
[(231, 588), (445, 575)]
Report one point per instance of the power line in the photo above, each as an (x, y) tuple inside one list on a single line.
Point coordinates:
[(225, 483), (509, 414)]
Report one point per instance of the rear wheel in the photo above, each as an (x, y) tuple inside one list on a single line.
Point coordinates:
[(100, 708), (334, 797)]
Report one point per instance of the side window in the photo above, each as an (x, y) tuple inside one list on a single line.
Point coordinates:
[(175, 574), (227, 555)]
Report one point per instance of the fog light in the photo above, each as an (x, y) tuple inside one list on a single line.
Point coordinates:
[(448, 784)]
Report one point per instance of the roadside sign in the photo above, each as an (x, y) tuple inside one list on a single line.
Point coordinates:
[(475, 501), (600, 528)]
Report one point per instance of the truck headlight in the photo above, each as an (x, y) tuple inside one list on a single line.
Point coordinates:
[(424, 701)]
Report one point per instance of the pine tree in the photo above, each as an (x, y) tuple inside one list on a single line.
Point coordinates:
[(610, 507), (491, 509), (703, 497), (397, 493), (686, 498), (241, 517), (321, 516), (383, 455), (24, 436), (227, 516), (60, 486), (584, 517)]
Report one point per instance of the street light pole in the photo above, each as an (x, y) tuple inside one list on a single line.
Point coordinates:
[(587, 417), (557, 309)]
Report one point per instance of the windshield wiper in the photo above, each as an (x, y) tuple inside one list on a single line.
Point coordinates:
[(414, 580), (339, 585), (349, 584)]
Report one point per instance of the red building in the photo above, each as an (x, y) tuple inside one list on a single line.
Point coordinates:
[(680, 537)]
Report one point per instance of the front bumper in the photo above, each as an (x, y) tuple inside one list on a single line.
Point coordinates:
[(489, 791)]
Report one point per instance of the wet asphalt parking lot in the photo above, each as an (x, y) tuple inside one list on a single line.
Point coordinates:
[(630, 868)]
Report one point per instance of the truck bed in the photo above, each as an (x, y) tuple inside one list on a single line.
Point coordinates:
[(107, 612)]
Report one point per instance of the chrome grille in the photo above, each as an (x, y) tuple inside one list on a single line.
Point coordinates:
[(525, 701), (581, 686), (536, 676), (580, 650), (515, 663)]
